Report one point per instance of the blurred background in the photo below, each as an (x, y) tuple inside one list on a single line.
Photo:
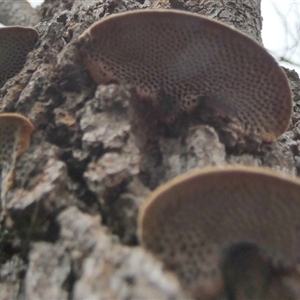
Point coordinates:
[(281, 31)]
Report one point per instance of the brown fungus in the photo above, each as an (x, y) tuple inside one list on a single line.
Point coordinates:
[(15, 44), (251, 273), (189, 220), (15, 132), (176, 58)]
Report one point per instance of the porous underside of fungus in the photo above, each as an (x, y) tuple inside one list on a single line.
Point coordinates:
[(250, 272), (15, 131), (182, 221), (176, 59), (15, 44)]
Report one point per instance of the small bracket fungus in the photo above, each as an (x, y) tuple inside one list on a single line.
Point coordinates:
[(187, 220), (15, 43), (176, 59), (15, 131)]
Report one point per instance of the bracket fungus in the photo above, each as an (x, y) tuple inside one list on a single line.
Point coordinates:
[(176, 59), (15, 44), (188, 220), (15, 132)]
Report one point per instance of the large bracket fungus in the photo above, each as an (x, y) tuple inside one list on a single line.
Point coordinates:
[(15, 132), (176, 58), (189, 219), (15, 44)]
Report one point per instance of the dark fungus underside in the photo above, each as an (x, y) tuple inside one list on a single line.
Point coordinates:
[(186, 56), (15, 44), (219, 207)]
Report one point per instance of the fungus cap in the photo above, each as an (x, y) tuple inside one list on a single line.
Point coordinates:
[(219, 207), (176, 58), (15, 43), (16, 128), (15, 131)]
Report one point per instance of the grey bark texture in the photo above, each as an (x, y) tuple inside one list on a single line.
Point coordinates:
[(78, 189), (18, 12)]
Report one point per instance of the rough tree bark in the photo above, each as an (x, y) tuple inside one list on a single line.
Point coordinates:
[(72, 233), (17, 13)]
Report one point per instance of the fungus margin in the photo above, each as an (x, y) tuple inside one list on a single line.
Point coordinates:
[(191, 212), (208, 59), (15, 132)]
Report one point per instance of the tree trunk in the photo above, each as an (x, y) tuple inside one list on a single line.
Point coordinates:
[(73, 209), (17, 13)]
